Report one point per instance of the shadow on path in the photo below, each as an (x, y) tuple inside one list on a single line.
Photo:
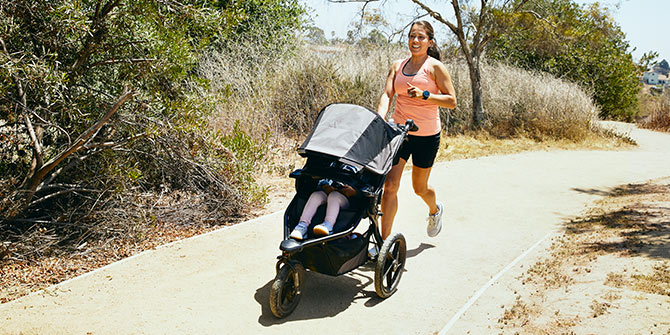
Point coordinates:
[(326, 296), (642, 221), (322, 296)]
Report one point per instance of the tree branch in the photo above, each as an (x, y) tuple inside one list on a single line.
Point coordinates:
[(93, 39), (78, 143), (436, 16), (38, 160), (61, 192)]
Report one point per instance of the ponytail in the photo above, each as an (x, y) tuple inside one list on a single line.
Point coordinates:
[(433, 51)]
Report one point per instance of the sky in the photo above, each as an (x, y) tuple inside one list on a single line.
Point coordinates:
[(645, 22)]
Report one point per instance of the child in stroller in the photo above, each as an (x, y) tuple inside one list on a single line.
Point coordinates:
[(335, 195), (349, 145)]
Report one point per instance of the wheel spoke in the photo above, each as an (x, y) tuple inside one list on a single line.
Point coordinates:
[(288, 290), (389, 268)]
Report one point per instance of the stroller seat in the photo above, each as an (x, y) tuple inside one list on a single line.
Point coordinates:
[(346, 218)]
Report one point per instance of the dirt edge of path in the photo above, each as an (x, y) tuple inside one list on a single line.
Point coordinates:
[(609, 271)]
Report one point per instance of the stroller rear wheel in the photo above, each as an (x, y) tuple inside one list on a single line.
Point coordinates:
[(285, 292), (390, 265)]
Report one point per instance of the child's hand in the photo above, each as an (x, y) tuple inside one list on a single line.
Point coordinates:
[(347, 190)]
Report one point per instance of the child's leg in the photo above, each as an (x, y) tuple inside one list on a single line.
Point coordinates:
[(315, 200), (336, 200)]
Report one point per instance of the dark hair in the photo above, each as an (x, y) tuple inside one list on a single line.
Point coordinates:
[(433, 51)]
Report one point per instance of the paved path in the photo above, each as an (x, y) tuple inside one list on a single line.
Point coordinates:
[(497, 208)]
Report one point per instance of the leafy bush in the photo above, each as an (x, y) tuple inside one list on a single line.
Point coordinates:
[(104, 100), (580, 44)]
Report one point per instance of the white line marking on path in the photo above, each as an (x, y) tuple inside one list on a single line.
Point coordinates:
[(487, 285)]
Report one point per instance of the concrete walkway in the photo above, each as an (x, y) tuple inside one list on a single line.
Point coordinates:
[(497, 208)]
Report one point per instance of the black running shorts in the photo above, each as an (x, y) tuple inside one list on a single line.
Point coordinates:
[(423, 150)]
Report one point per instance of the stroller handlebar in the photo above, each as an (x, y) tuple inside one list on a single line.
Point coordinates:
[(407, 127), (410, 125)]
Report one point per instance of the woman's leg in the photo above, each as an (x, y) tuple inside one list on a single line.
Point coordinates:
[(422, 189), (390, 197), (336, 201), (315, 200)]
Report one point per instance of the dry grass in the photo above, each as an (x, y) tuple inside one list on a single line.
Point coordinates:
[(282, 99), (658, 282), (657, 112), (479, 144), (522, 103)]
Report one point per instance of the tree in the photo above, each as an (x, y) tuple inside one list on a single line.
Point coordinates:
[(647, 60), (274, 22), (474, 28), (99, 94), (316, 35), (580, 44)]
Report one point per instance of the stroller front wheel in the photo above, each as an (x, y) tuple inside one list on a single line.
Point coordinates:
[(285, 292), (390, 265)]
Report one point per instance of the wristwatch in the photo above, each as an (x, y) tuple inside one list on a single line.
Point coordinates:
[(426, 94)]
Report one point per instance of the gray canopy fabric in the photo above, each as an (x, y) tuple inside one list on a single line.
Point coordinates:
[(354, 135)]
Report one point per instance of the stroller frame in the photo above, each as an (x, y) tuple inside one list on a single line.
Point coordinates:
[(344, 250)]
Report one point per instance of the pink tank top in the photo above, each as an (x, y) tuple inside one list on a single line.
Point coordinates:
[(425, 114)]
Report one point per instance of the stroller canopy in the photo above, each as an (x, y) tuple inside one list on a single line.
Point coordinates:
[(354, 135)]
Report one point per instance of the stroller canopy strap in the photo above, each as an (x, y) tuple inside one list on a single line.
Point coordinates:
[(354, 135)]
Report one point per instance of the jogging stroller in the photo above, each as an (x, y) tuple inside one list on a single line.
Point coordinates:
[(366, 144)]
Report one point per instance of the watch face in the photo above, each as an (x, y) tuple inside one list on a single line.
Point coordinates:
[(426, 94)]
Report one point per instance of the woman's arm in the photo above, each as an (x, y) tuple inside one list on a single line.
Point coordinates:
[(446, 97), (385, 99)]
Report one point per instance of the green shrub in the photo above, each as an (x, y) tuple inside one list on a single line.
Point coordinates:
[(581, 44)]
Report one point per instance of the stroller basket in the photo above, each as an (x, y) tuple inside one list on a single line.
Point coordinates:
[(335, 257)]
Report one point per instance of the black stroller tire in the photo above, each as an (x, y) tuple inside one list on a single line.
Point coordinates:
[(285, 292), (390, 265)]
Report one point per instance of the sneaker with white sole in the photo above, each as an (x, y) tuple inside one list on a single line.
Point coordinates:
[(326, 228), (373, 252), (300, 231), (435, 221)]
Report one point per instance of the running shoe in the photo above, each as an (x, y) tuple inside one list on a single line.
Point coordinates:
[(435, 222)]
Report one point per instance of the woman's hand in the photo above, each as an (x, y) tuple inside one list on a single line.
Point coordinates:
[(414, 92)]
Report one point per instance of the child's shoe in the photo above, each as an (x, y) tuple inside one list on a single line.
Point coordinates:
[(326, 228), (300, 231)]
